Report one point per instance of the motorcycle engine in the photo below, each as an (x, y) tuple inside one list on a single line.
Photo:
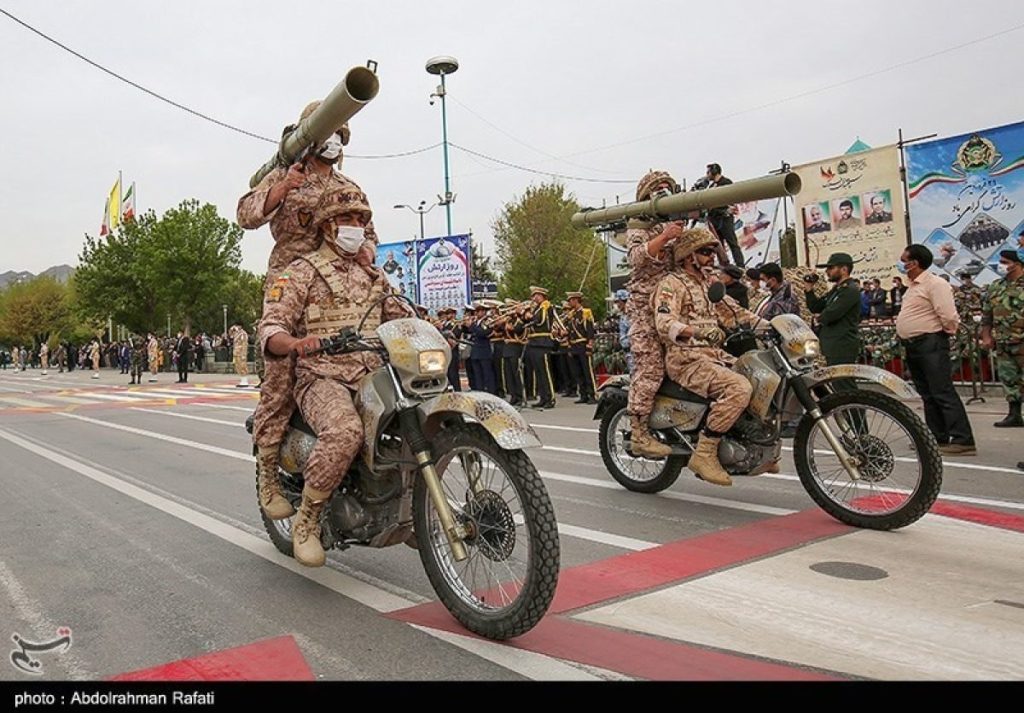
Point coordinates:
[(367, 504), (739, 455)]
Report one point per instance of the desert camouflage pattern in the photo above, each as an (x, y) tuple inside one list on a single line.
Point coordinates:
[(502, 421), (292, 223), (681, 300), (240, 349), (648, 353)]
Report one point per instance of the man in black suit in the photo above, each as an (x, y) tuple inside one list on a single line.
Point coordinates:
[(182, 348), (721, 218)]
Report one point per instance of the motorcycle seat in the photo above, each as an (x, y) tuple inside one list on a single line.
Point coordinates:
[(299, 423), (673, 390)]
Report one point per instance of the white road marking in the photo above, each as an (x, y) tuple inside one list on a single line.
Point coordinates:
[(626, 543), (41, 628), (945, 463), (161, 437), (702, 499), (373, 597), (24, 402), (234, 424), (528, 664), (230, 408)]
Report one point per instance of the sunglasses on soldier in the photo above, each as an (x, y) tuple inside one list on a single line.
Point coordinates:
[(706, 252)]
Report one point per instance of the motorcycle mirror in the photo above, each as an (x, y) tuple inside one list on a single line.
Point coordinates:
[(716, 293)]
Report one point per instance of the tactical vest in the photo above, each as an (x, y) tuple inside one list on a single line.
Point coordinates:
[(341, 309)]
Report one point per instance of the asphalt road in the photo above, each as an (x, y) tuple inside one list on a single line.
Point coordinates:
[(130, 518)]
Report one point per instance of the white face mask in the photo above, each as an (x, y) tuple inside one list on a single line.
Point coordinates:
[(1002, 269), (350, 238), (331, 150)]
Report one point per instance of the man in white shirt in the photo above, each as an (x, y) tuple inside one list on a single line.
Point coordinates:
[(924, 325)]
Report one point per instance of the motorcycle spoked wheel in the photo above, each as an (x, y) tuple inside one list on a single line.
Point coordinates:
[(280, 531), (506, 583), (900, 463), (640, 475)]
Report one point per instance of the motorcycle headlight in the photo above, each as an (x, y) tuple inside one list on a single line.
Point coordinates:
[(432, 362), (806, 349)]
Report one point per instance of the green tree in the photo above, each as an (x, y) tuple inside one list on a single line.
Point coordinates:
[(242, 292), (538, 245), (34, 311), (482, 270), (178, 264)]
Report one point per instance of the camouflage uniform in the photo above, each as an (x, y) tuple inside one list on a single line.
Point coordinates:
[(969, 301), (240, 349), (648, 354), (321, 293), (291, 225), (137, 355), (1003, 311), (153, 354), (681, 300)]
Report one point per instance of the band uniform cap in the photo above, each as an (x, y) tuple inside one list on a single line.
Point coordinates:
[(534, 290), (733, 272), (509, 302), (1012, 255), (576, 295), (837, 259), (621, 295)]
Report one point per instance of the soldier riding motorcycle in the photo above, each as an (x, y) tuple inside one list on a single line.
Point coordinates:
[(442, 471), (863, 456)]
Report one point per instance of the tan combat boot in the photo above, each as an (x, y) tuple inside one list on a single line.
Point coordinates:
[(273, 503), (306, 547), (704, 462), (642, 443)]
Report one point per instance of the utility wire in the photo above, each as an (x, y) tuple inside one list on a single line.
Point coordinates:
[(532, 170), (185, 108)]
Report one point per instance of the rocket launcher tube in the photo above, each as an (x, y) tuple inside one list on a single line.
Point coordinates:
[(676, 204), (354, 92)]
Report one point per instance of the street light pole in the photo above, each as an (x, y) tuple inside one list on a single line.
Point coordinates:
[(422, 211), (443, 66), (225, 319)]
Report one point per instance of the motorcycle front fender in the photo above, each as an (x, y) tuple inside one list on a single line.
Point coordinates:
[(506, 425), (861, 372)]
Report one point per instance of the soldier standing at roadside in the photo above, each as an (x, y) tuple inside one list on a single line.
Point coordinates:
[(137, 356), (1002, 330)]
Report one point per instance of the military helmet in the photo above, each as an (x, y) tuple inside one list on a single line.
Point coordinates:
[(648, 182), (345, 132), (690, 241), (339, 199)]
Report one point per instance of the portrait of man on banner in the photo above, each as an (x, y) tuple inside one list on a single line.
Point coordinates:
[(877, 208)]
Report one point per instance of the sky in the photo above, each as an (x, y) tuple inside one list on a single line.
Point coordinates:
[(594, 90)]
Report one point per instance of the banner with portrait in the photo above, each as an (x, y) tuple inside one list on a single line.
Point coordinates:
[(398, 261), (443, 269), (967, 199), (757, 225), (853, 204)]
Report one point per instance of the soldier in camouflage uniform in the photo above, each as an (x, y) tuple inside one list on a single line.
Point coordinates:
[(138, 354), (288, 199), (317, 295), (646, 243), (690, 326), (1002, 329), (968, 299)]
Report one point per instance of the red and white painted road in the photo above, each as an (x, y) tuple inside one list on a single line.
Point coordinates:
[(854, 603)]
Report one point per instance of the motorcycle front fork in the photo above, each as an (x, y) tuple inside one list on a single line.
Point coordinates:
[(420, 447), (810, 404)]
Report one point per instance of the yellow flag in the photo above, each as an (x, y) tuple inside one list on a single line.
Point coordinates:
[(112, 209)]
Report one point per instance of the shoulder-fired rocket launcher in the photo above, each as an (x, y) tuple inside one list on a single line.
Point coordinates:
[(354, 92), (679, 205)]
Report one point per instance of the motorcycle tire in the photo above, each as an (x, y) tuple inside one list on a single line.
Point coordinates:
[(924, 491), (657, 475), (541, 551)]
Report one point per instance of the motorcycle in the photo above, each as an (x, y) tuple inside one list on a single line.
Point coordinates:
[(442, 471), (862, 455)]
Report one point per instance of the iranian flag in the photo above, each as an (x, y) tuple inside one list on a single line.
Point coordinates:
[(128, 204)]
